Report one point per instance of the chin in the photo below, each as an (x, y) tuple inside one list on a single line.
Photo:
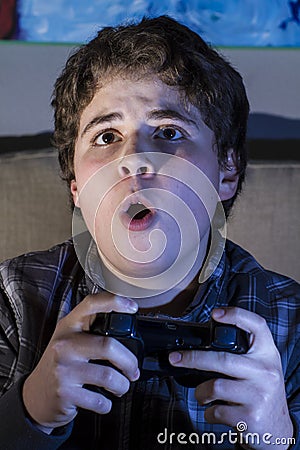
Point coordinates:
[(141, 255), (143, 270)]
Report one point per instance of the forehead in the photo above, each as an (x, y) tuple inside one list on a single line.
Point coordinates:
[(137, 97)]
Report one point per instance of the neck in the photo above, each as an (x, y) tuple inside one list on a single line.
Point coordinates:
[(172, 301), (176, 300), (173, 304)]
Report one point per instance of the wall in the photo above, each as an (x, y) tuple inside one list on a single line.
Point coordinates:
[(27, 74), (28, 71)]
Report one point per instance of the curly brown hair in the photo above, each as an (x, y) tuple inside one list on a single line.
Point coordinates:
[(177, 56)]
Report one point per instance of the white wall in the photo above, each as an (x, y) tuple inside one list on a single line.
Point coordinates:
[(28, 72), (27, 75), (272, 79)]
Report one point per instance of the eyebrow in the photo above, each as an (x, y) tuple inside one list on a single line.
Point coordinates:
[(158, 114), (106, 118)]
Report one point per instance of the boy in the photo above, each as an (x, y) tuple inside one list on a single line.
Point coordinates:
[(128, 106)]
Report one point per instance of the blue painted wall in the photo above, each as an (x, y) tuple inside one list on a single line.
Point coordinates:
[(221, 22)]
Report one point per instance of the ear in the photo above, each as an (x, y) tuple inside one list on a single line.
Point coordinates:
[(229, 177), (74, 192)]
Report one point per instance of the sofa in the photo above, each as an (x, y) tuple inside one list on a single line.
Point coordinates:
[(36, 212)]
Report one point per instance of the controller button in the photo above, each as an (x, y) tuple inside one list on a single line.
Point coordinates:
[(120, 325), (171, 326), (225, 337), (179, 342)]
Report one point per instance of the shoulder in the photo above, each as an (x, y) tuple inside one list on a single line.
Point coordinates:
[(39, 272), (245, 269), (35, 286), (273, 296), (39, 262)]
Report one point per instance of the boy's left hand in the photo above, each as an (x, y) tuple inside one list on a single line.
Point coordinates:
[(256, 394)]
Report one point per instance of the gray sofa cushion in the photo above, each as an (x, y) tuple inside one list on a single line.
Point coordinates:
[(266, 218), (35, 211)]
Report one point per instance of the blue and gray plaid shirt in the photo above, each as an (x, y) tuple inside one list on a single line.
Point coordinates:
[(37, 289)]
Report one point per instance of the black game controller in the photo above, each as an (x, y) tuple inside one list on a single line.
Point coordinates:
[(151, 339)]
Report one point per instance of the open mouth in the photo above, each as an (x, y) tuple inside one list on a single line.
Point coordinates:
[(138, 217), (138, 211)]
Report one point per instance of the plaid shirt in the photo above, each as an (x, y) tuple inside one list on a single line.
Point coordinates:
[(38, 289)]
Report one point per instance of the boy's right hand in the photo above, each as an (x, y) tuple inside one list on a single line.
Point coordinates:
[(54, 390)]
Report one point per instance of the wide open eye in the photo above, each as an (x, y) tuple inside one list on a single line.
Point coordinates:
[(169, 133), (107, 137)]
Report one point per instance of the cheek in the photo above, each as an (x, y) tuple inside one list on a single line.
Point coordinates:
[(210, 168), (107, 209), (201, 202), (104, 216), (85, 173), (201, 211), (199, 191), (94, 198), (204, 159)]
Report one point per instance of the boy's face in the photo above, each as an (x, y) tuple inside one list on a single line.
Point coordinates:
[(128, 140)]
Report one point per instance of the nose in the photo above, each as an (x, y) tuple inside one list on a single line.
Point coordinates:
[(136, 164)]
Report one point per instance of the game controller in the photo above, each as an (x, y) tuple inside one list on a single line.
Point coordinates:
[(151, 339)]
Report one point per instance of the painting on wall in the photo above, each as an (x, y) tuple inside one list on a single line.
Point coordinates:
[(8, 19), (247, 23)]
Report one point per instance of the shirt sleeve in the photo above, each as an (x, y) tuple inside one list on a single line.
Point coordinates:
[(18, 432), (296, 443), (293, 392)]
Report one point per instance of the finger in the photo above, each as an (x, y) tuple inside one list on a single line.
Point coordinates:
[(83, 314), (243, 367), (261, 337), (86, 347), (229, 364), (223, 389), (93, 401), (122, 358), (225, 414), (101, 376)]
